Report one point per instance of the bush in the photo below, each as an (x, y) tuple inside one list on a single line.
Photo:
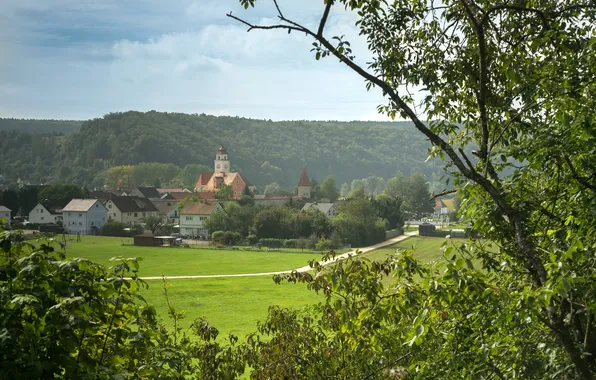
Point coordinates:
[(252, 239), (290, 243), (114, 228), (137, 229), (271, 243), (218, 237), (324, 245), (231, 238)]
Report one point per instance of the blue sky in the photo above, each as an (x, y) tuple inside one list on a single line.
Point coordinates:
[(79, 59)]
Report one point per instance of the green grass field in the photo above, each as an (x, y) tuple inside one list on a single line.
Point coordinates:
[(232, 304), (157, 261)]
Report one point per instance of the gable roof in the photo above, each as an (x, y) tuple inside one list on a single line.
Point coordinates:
[(449, 203), (102, 195), (133, 204), (204, 178), (199, 208), (54, 207), (164, 206), (304, 178), (177, 195), (439, 203), (323, 207), (173, 190), (80, 205), (206, 194), (149, 192), (4, 208)]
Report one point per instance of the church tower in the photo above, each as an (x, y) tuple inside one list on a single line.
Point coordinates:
[(222, 164), (304, 185)]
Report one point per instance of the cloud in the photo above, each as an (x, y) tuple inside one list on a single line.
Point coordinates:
[(82, 59)]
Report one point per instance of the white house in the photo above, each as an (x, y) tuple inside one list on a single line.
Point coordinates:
[(130, 210), (84, 216), (46, 213), (194, 214), (5, 214), (329, 209)]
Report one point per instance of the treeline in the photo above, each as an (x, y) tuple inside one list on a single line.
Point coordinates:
[(264, 151), (40, 125), (360, 221)]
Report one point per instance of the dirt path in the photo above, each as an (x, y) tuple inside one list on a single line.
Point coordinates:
[(301, 269)]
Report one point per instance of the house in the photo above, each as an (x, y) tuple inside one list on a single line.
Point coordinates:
[(130, 210), (5, 214), (103, 195), (194, 214), (47, 212), (167, 209), (174, 190), (211, 181), (443, 207), (176, 195), (144, 192), (329, 209), (304, 185), (84, 216)]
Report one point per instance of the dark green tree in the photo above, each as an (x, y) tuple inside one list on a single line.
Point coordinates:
[(328, 189)]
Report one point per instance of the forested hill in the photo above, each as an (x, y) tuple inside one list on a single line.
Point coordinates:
[(40, 126), (264, 151)]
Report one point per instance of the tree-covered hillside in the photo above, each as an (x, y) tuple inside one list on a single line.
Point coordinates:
[(40, 126), (264, 151)]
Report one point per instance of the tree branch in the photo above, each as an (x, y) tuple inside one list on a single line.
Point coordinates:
[(324, 18), (441, 193), (578, 178)]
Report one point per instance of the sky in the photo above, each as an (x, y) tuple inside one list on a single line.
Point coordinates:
[(81, 59)]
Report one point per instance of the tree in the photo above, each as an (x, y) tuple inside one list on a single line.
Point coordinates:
[(10, 199), (515, 80), (61, 193), (328, 189), (224, 192), (153, 223), (271, 189), (190, 173), (389, 209), (191, 199), (314, 189)]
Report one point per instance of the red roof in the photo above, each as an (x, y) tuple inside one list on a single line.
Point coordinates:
[(204, 178), (206, 195), (304, 178), (221, 149)]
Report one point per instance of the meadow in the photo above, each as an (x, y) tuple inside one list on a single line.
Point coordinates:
[(231, 304)]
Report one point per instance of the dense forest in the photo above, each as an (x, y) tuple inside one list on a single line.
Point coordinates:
[(264, 151), (40, 126)]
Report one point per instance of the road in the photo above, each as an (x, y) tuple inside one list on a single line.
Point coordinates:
[(301, 269)]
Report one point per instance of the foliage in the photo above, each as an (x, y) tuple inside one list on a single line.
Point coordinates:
[(357, 223), (226, 237), (131, 138), (114, 228), (274, 222), (72, 318), (62, 193), (153, 223), (414, 193), (514, 82), (224, 192), (329, 189), (389, 209), (191, 199), (271, 243)]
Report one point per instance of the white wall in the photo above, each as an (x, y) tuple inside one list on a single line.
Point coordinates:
[(6, 216), (41, 215), (83, 222)]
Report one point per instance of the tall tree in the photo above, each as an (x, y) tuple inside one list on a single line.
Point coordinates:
[(515, 80), (61, 193), (328, 189)]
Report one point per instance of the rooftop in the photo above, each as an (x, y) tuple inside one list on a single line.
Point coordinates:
[(80, 205), (198, 208)]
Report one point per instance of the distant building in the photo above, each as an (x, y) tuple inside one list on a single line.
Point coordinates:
[(304, 185), (329, 209), (174, 190), (212, 181), (130, 210), (103, 195), (176, 195), (145, 192), (47, 213), (167, 209), (193, 216), (84, 216), (5, 214)]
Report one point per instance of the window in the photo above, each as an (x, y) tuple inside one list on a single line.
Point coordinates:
[(143, 214), (136, 215), (110, 205), (42, 218), (189, 218), (41, 210), (96, 205), (92, 223), (114, 214), (69, 214), (80, 214), (80, 223)]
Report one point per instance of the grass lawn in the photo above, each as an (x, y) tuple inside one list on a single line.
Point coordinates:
[(232, 305), (187, 261), (426, 249)]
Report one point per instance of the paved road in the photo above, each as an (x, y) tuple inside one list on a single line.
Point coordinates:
[(301, 269)]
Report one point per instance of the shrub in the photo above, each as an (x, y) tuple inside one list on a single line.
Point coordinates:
[(271, 243), (218, 237), (114, 228), (324, 245), (252, 239), (290, 243)]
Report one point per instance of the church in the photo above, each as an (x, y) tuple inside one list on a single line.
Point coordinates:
[(210, 182)]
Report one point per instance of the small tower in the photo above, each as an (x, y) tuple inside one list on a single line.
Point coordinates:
[(304, 185), (222, 164)]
